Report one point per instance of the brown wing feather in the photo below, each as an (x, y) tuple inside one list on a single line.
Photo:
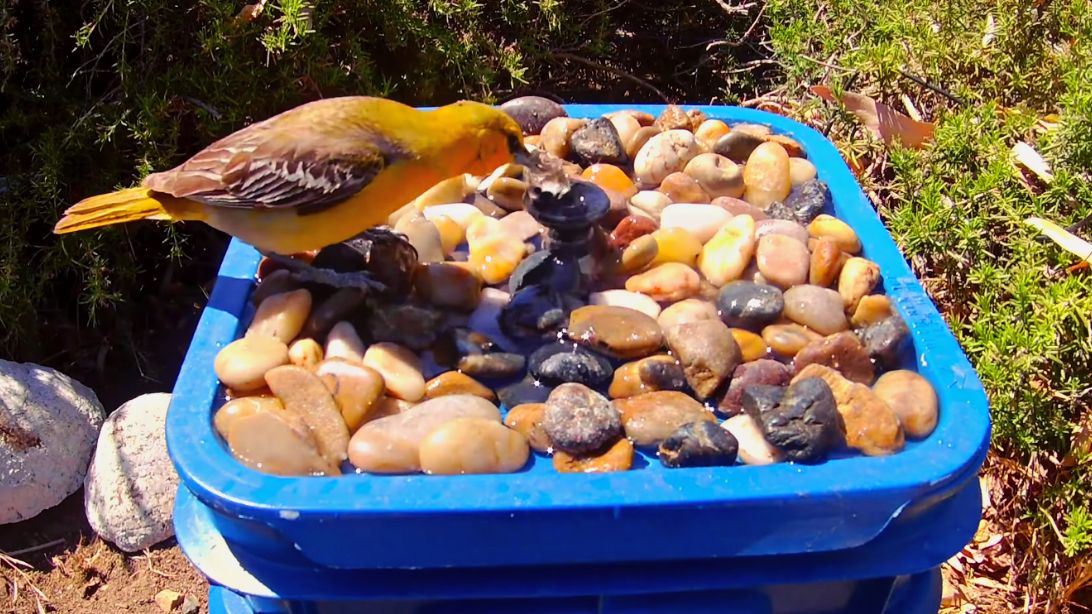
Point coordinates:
[(305, 161)]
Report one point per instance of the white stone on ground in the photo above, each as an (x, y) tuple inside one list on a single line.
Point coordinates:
[(130, 487), (48, 425)]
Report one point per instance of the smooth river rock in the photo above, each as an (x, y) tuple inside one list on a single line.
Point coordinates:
[(870, 425), (820, 309), (471, 446), (649, 418), (708, 354)]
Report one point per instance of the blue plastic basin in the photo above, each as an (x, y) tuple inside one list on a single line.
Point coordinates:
[(541, 517)]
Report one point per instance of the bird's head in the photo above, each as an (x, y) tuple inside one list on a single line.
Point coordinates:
[(497, 137)]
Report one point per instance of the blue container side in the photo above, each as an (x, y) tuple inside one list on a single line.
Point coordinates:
[(786, 508), (909, 546)]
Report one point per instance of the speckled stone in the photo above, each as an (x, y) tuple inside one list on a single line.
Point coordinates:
[(579, 420)]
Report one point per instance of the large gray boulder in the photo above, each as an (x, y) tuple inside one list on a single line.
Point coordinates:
[(48, 426), (130, 488)]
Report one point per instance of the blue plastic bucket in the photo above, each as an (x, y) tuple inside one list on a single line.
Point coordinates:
[(541, 517)]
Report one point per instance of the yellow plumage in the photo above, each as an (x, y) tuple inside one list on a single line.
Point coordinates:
[(314, 175)]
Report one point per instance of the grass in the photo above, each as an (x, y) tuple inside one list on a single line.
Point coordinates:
[(957, 210)]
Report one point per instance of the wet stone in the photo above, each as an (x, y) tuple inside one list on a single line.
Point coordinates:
[(400, 368), (663, 154), (699, 444), (560, 363), (473, 446), (737, 145), (619, 457), (787, 228), (661, 373), (579, 420), (827, 259), (453, 382), (766, 175), (598, 141), (630, 228), (803, 422), (753, 447), (760, 372), (689, 310), (537, 312), (498, 365), (913, 400), (651, 417), (857, 278), (522, 226), (532, 112), (423, 235), (242, 364), (717, 175), (527, 419), (724, 258), (682, 188), (783, 261), (748, 305), (355, 389), (871, 309), (708, 354), (808, 200), (522, 392), (842, 352), (617, 331), (701, 221), (281, 316), (778, 210), (673, 118), (415, 327), (885, 340), (820, 309), (627, 299), (870, 425), (542, 269), (788, 339)]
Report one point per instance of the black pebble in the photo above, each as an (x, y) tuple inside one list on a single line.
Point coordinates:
[(560, 363), (802, 420), (699, 444), (532, 112), (750, 305), (524, 391), (598, 141), (807, 200), (884, 340), (537, 311)]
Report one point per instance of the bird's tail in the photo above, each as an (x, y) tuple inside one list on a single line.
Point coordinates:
[(126, 205)]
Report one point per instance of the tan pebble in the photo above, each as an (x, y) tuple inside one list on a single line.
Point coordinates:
[(400, 368), (913, 400), (355, 389), (646, 375), (783, 261), (649, 203), (820, 309), (682, 188), (242, 364), (305, 353), (827, 259), (668, 282), (709, 132), (619, 457), (388, 406), (473, 446), (801, 170), (522, 226), (450, 190), (766, 175), (707, 352), (753, 447), (829, 226), (645, 119), (451, 233), (858, 277), (871, 426), (230, 412), (527, 420), (673, 117), (676, 244), (871, 309), (788, 339), (557, 132), (446, 285), (718, 176), (626, 125), (639, 254), (727, 254), (422, 235), (282, 315), (453, 382), (663, 154), (392, 444), (344, 342), (685, 311), (697, 118), (756, 129), (303, 393), (751, 345), (507, 192), (625, 298), (651, 417), (278, 443), (638, 140)]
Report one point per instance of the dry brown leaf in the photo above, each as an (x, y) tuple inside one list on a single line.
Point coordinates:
[(883, 121), (1081, 442), (251, 12)]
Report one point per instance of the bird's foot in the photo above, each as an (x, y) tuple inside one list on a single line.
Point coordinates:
[(307, 273)]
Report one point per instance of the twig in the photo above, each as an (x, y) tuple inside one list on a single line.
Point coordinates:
[(827, 63), (207, 107), (742, 9), (936, 88), (44, 546), (754, 24), (621, 73)]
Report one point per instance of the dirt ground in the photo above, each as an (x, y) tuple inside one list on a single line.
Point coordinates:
[(70, 571)]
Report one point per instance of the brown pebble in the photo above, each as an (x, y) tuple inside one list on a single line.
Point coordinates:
[(649, 418), (788, 339), (682, 188), (453, 382), (303, 393), (841, 351), (619, 457), (871, 426), (629, 229), (827, 259), (527, 420)]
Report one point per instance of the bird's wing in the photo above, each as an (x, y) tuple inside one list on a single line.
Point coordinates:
[(307, 164)]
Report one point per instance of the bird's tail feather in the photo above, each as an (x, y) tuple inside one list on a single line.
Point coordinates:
[(114, 208)]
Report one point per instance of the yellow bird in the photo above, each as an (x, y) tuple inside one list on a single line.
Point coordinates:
[(314, 175)]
